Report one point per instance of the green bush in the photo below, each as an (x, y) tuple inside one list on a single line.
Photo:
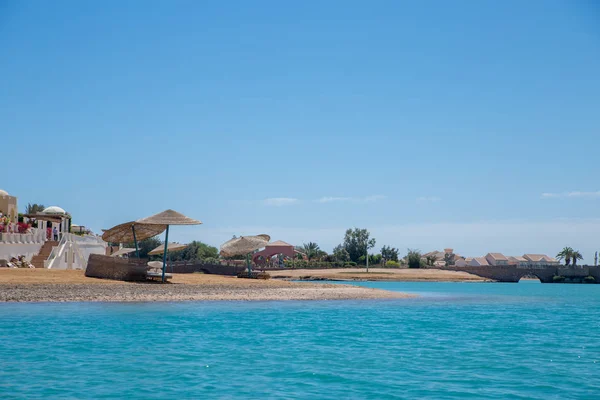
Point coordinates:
[(254, 275), (589, 279), (392, 264), (350, 264), (414, 259), (558, 278)]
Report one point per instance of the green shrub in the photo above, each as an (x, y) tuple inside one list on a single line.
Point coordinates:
[(558, 278), (350, 264), (392, 264), (414, 259), (589, 279), (254, 275)]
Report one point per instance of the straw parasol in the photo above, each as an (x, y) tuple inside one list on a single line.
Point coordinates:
[(244, 245), (132, 232), (167, 217), (123, 251), (170, 247)]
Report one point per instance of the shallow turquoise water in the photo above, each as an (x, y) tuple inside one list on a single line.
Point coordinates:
[(496, 341)]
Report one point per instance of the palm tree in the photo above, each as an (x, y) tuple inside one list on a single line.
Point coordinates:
[(431, 259), (311, 250), (34, 208), (576, 255), (566, 254)]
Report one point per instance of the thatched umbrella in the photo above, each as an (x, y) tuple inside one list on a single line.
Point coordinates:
[(168, 217), (122, 252), (132, 232), (244, 245), (170, 247)]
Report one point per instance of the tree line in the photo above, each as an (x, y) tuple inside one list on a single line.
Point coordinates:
[(353, 249)]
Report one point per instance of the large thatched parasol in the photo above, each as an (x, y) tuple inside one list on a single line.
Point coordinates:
[(132, 232), (122, 252), (244, 245), (170, 247), (168, 217)]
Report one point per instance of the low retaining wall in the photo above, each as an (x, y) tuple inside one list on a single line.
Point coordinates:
[(512, 273), (215, 269), (120, 269), (9, 250)]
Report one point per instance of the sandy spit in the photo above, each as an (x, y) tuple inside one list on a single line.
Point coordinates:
[(379, 274), (62, 286)]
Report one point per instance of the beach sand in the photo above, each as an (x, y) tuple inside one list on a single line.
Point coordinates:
[(43, 285), (379, 274)]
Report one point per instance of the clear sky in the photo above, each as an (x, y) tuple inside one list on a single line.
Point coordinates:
[(465, 124)]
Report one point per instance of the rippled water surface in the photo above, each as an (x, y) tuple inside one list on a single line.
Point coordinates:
[(458, 340)]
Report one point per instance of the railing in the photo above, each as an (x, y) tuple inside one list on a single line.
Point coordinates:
[(71, 243), (56, 251), (36, 236)]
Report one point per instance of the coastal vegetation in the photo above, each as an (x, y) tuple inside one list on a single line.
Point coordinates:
[(34, 208), (413, 258), (357, 243), (352, 252), (569, 255), (389, 254)]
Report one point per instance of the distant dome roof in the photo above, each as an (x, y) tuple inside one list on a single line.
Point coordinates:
[(3, 193), (54, 210)]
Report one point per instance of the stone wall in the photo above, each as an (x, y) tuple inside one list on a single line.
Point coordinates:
[(216, 269), (512, 273), (121, 269)]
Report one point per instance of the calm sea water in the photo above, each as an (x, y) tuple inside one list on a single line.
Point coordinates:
[(495, 341)]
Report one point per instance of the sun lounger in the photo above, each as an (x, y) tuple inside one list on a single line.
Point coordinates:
[(155, 271)]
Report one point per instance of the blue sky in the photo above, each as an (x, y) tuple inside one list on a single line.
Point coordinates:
[(472, 125)]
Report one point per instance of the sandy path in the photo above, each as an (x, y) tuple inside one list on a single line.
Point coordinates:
[(380, 274)]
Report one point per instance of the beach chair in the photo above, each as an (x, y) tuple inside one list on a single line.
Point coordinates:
[(155, 271)]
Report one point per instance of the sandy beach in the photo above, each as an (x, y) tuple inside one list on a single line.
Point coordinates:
[(43, 285), (378, 274)]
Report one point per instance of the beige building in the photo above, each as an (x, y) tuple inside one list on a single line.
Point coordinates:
[(8, 206), (478, 262), (518, 260), (540, 259), (462, 262), (496, 259)]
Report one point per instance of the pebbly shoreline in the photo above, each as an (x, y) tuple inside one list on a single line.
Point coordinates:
[(127, 292)]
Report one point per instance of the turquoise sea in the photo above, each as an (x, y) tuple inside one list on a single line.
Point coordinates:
[(456, 341)]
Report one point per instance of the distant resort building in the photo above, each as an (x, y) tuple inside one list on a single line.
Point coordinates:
[(278, 250), (442, 258), (43, 239), (540, 259), (8, 206), (499, 259), (478, 262), (496, 259), (520, 261)]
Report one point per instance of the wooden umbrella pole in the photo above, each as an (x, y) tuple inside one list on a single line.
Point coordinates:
[(165, 254), (248, 263)]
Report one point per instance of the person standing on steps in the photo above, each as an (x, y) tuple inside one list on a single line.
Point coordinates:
[(55, 232)]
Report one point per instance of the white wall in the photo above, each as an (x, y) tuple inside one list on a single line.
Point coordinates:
[(8, 250), (75, 251)]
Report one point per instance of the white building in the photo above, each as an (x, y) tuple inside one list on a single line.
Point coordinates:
[(40, 246)]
